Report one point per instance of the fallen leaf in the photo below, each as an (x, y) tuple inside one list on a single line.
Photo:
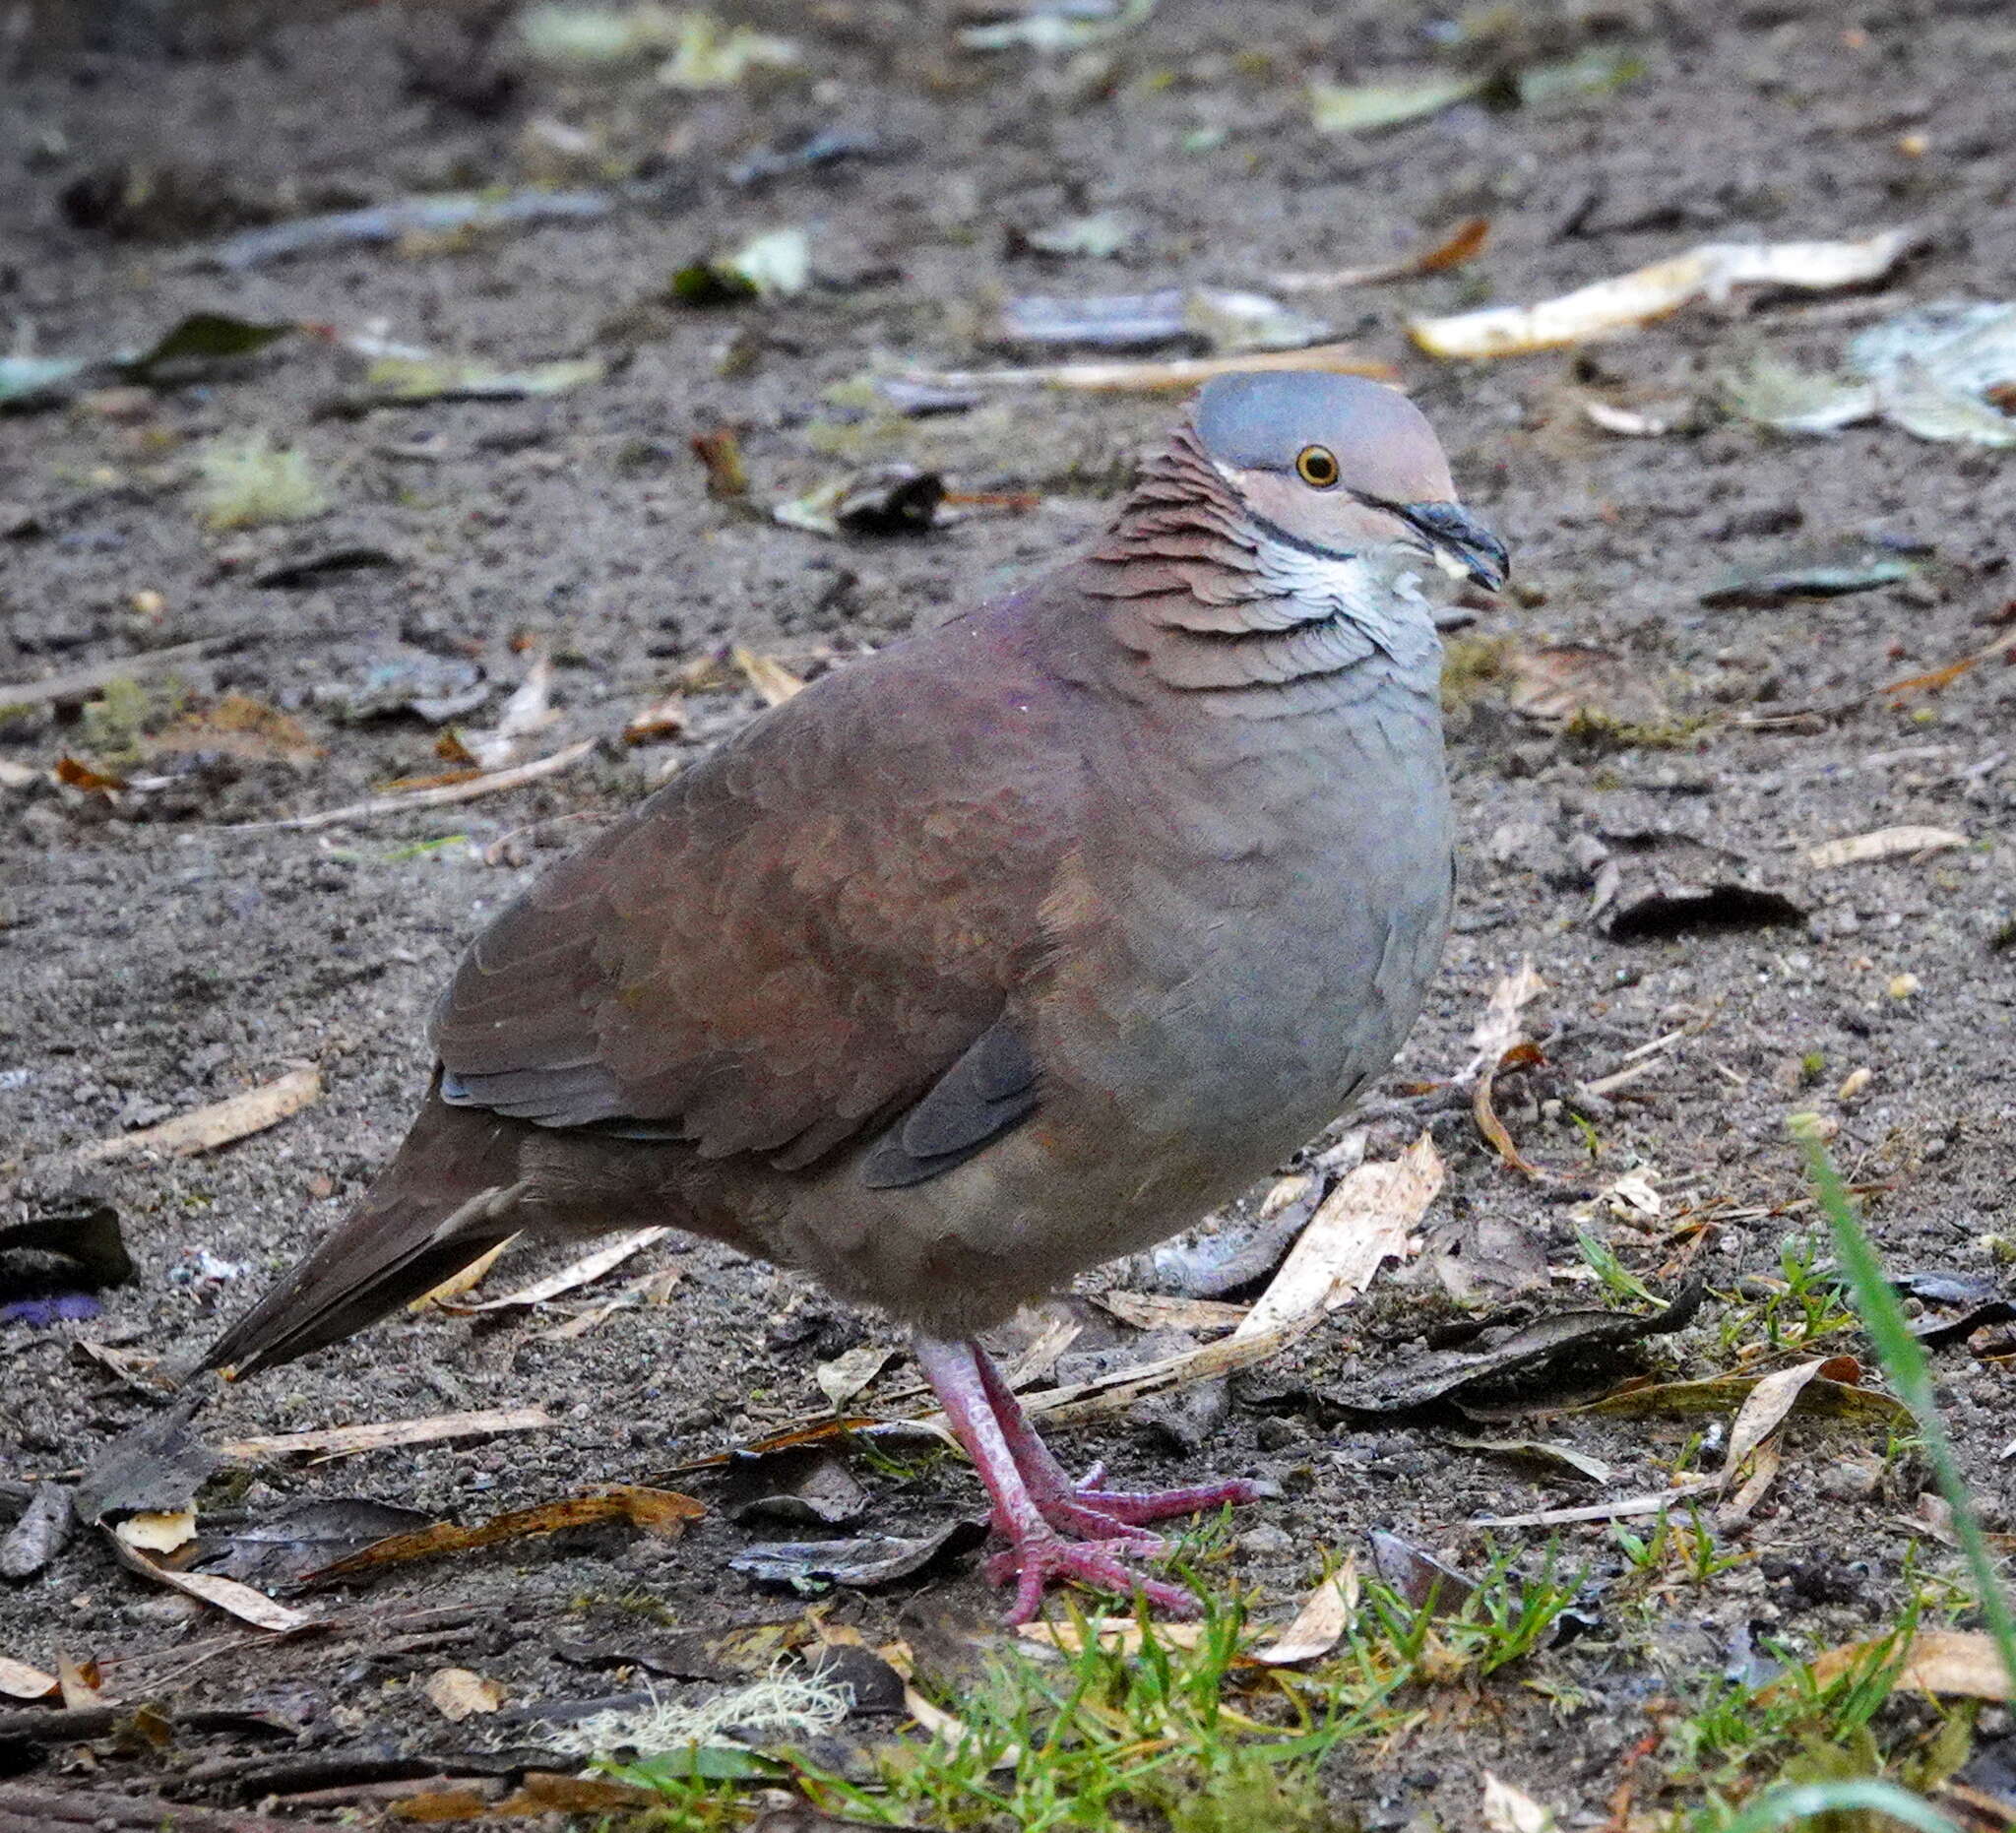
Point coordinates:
[(1709, 271), (662, 1512), (574, 1275), (283, 1546), (1833, 1399), (1319, 1624), (1579, 685), (720, 452), (767, 676), (464, 1280), (1417, 1577), (224, 1594), (1501, 1027), (154, 1466), (841, 1379), (1507, 1809), (1462, 244), (663, 718), (1763, 1411), (707, 55), (458, 1693), (388, 1435), (1540, 1451), (1374, 107), (204, 1129), (1366, 1221), (401, 380), (871, 1560), (1962, 1664), (80, 1682), (17, 1680), (1888, 842), (1484, 1255), (812, 1489)]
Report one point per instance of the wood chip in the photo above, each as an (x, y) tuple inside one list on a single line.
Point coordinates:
[(487, 782), (458, 1693), (204, 1129), (1367, 1220), (1623, 303), (388, 1435), (575, 1273), (17, 1680), (1150, 378), (1320, 1624), (226, 1594), (1886, 843)]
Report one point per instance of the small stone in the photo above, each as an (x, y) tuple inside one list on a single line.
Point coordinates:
[(1855, 1084), (1903, 985), (1852, 1479), (1266, 1543)]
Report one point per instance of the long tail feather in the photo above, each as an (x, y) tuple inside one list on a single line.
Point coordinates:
[(446, 1199)]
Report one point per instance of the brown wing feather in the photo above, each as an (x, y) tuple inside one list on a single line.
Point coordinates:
[(796, 936)]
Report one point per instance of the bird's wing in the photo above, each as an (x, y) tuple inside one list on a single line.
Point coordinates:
[(796, 939)]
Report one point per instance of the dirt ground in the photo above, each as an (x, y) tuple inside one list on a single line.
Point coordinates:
[(157, 955)]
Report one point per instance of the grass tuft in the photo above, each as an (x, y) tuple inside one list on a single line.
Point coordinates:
[(251, 483)]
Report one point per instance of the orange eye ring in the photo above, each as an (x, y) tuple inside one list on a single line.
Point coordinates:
[(1316, 466)]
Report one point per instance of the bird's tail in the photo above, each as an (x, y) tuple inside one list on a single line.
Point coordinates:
[(446, 1199)]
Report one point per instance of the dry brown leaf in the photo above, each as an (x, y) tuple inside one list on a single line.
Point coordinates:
[(458, 1693), (387, 1434), (463, 789), (1958, 1663), (663, 718), (456, 1284), (1885, 842), (1116, 1392), (226, 1594), (78, 775), (1367, 1220), (17, 1680), (1507, 1809), (80, 1682), (204, 1129), (662, 1512), (1041, 1356), (841, 1379), (1764, 1465), (1628, 300), (1152, 377), (575, 1273), (1563, 683), (767, 676), (1501, 1027), (1464, 243), (1325, 1615), (1764, 1411), (1161, 1310), (240, 727)]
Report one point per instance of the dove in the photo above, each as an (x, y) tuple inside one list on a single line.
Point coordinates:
[(1020, 945)]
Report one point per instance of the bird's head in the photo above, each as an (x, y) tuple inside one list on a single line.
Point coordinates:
[(1339, 467)]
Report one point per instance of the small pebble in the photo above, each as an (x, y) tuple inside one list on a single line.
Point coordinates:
[(1266, 1543), (1903, 985), (1855, 1084)]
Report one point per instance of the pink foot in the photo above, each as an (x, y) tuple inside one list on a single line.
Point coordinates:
[(1055, 1528), (1038, 1558)]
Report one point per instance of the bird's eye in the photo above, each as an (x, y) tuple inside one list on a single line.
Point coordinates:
[(1317, 466)]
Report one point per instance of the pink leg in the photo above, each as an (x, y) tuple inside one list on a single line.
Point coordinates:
[(1055, 1493), (1036, 1505)]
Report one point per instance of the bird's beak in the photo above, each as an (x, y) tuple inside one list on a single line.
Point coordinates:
[(1461, 545)]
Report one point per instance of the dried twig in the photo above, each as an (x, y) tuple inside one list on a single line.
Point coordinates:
[(490, 783)]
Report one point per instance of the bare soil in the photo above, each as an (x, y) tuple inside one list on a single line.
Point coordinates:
[(158, 955)]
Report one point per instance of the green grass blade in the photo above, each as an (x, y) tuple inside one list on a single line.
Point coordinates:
[(1904, 1359), (1805, 1800)]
